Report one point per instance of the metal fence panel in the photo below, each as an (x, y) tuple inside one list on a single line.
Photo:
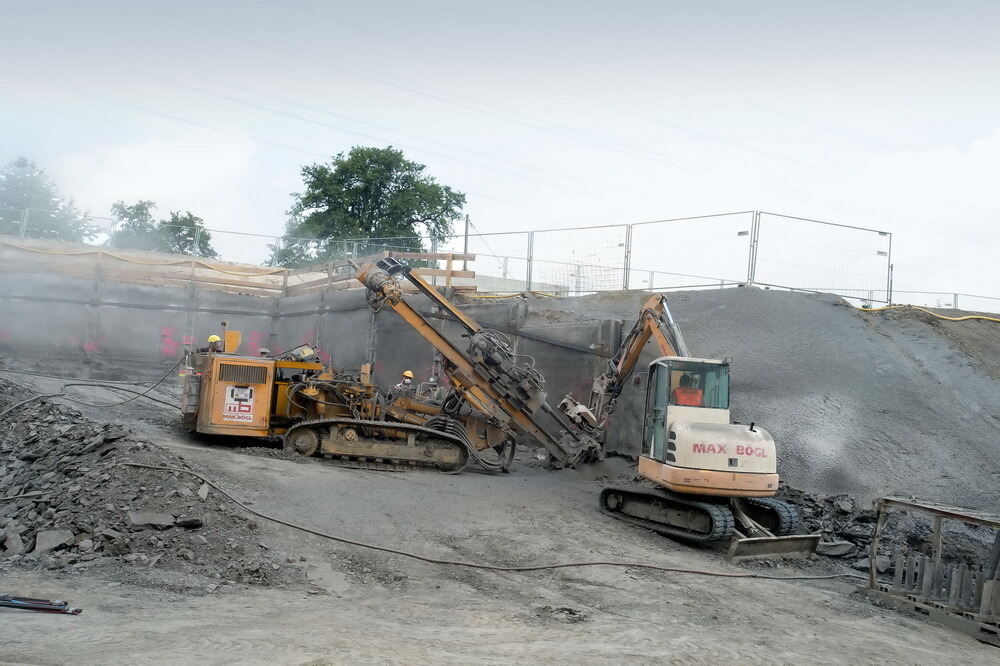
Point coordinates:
[(709, 250), (701, 252), (820, 256), (580, 261)]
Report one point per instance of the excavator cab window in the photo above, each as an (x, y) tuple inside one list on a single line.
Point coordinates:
[(695, 384)]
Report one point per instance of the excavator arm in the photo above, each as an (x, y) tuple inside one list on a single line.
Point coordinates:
[(486, 374), (654, 323)]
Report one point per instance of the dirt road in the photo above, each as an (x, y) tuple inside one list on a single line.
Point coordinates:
[(365, 607)]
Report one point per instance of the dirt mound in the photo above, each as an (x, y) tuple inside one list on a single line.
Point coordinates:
[(69, 499)]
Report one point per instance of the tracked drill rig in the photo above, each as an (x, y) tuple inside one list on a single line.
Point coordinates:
[(705, 479)]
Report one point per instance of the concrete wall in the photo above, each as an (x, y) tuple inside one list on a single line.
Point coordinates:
[(110, 329), (114, 330)]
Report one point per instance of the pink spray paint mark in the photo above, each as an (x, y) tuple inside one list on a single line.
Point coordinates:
[(256, 340), (168, 344)]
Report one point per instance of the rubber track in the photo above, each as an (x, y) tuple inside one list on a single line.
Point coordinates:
[(789, 521), (363, 462), (723, 523)]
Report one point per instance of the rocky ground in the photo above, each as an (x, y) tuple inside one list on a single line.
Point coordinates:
[(71, 497)]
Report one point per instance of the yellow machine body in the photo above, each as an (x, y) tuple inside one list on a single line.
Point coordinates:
[(236, 396), (227, 394)]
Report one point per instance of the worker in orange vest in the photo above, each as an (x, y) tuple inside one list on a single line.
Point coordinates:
[(686, 394)]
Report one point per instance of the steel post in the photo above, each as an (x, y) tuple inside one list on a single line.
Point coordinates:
[(531, 260), (628, 255), (24, 223)]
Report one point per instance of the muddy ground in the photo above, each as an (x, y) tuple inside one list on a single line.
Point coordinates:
[(353, 605)]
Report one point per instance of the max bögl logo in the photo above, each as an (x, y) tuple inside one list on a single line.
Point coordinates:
[(239, 404)]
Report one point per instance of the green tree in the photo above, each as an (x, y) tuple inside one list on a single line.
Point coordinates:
[(181, 233), (185, 233), (135, 228), (25, 187), (370, 193)]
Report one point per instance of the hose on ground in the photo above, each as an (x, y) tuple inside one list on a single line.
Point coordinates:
[(933, 314), (138, 394), (42, 374), (482, 565)]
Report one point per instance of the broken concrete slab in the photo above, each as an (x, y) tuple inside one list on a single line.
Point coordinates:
[(51, 539), (835, 548), (150, 519), (190, 522), (882, 564), (13, 545)]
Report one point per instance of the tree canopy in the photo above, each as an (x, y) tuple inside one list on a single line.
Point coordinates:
[(371, 193), (181, 233), (27, 194)]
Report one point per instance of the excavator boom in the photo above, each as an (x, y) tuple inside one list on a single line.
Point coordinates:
[(654, 323)]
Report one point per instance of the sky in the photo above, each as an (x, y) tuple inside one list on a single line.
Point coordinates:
[(882, 115)]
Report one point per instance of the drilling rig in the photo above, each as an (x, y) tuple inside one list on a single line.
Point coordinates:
[(345, 416)]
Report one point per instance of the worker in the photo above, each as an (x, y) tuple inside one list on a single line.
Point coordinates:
[(687, 394), (434, 391), (405, 386), (214, 344)]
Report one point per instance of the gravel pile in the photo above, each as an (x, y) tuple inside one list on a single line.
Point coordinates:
[(67, 500), (868, 404)]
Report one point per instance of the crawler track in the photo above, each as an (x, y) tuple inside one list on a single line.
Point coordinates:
[(669, 514), (432, 448)]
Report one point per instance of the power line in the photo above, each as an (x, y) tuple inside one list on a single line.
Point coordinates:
[(320, 123), (110, 100), (317, 109), (641, 153), (737, 144)]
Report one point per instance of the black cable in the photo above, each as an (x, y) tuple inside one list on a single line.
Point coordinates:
[(42, 374), (138, 394), (478, 565)]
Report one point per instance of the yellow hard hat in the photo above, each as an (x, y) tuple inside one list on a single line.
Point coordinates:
[(409, 374), (214, 338)]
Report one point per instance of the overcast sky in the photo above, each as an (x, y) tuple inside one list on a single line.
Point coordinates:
[(554, 114)]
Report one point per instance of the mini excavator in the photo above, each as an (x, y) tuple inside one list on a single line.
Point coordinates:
[(345, 416), (705, 479)]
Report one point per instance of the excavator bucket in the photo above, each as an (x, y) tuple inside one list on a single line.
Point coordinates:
[(795, 545)]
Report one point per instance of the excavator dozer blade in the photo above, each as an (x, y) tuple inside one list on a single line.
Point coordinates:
[(796, 545)]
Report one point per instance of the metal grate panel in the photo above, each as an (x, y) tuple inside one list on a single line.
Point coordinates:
[(242, 374)]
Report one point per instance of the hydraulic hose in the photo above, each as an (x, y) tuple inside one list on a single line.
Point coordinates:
[(933, 314)]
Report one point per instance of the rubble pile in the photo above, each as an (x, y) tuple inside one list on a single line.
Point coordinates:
[(848, 529), (68, 501)]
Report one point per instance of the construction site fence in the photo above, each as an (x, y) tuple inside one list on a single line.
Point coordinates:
[(715, 251)]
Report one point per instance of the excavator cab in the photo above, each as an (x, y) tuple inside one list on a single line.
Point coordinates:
[(690, 446), (691, 449)]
